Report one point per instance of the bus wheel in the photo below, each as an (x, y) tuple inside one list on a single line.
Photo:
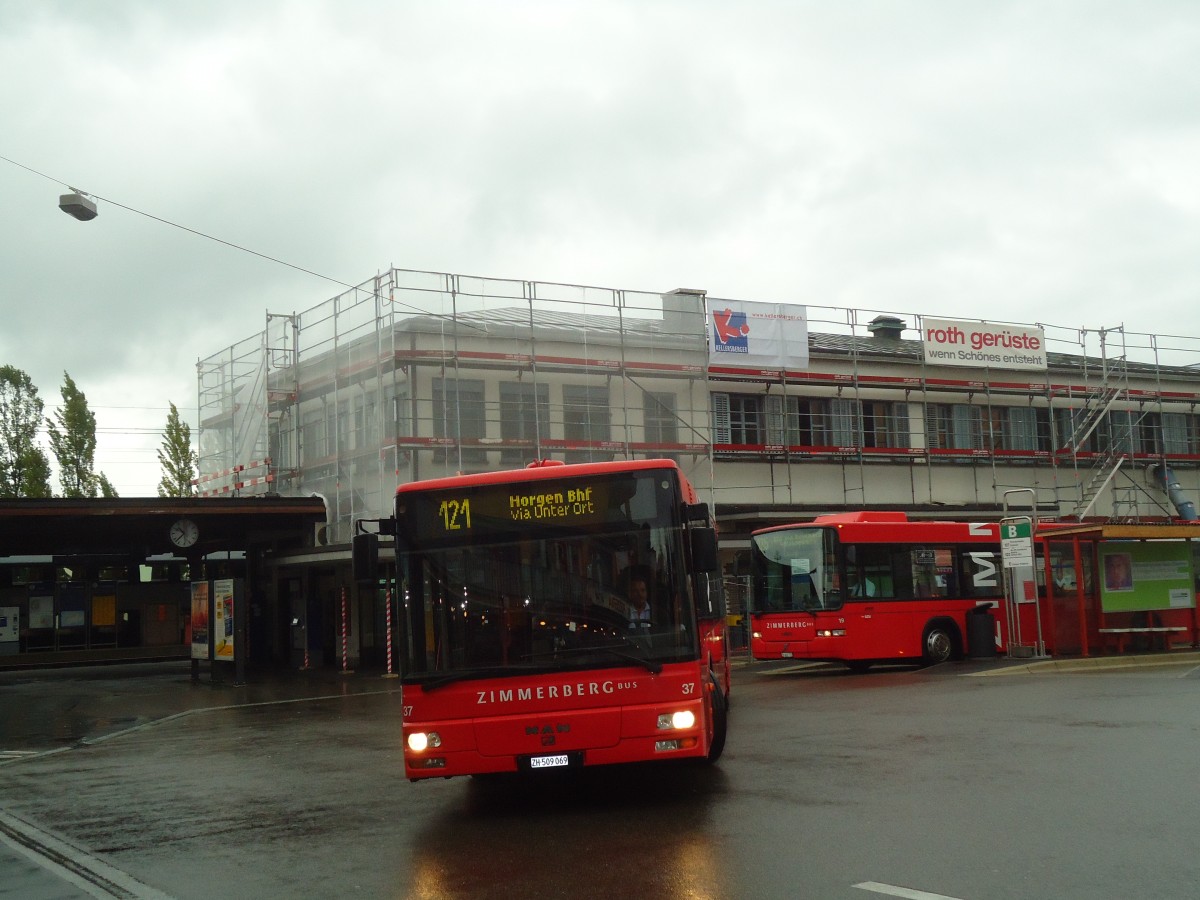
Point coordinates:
[(720, 717), (938, 645)]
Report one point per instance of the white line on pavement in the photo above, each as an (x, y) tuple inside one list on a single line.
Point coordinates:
[(893, 891)]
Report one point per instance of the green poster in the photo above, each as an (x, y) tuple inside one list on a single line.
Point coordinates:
[(1139, 576)]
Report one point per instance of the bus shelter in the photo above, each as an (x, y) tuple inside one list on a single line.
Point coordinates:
[(1113, 587)]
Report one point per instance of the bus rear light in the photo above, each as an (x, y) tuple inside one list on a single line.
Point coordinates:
[(757, 635), (832, 632), (677, 720), (419, 741)]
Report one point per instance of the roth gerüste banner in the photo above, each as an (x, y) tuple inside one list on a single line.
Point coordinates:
[(745, 334), (950, 342)]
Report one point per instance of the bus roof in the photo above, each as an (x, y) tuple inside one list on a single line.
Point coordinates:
[(539, 471), (891, 525), (895, 527)]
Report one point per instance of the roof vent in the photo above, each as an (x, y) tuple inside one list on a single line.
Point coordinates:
[(887, 327)]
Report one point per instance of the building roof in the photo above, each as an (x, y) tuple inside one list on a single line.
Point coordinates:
[(140, 527)]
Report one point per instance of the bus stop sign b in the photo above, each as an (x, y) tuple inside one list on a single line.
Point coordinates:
[(1016, 542)]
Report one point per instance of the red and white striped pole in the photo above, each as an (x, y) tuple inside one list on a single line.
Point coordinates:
[(346, 670), (390, 673)]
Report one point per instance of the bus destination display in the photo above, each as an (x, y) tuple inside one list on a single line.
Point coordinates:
[(507, 507)]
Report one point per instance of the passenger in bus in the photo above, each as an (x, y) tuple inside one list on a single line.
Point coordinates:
[(863, 587)]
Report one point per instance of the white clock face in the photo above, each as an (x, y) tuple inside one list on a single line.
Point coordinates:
[(184, 533)]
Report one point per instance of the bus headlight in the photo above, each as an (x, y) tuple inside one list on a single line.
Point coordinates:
[(419, 741), (677, 720)]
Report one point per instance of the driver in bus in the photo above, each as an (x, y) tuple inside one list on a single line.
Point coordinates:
[(638, 595)]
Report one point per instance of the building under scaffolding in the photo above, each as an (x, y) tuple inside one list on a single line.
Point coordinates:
[(415, 375)]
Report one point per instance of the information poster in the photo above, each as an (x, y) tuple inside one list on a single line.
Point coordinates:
[(1139, 576), (223, 619), (10, 624), (41, 611), (199, 626), (104, 610)]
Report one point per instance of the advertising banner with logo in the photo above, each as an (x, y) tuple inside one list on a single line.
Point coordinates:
[(1146, 575), (200, 618), (223, 619), (757, 335), (980, 345)]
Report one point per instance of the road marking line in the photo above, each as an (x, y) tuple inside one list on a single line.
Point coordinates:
[(893, 891), (88, 742), (789, 670), (86, 872), (13, 756)]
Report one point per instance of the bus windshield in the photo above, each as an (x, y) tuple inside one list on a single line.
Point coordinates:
[(795, 570), (522, 577)]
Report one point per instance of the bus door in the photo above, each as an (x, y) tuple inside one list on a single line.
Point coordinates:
[(877, 577)]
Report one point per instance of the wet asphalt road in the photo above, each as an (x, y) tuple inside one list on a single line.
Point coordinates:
[(135, 782)]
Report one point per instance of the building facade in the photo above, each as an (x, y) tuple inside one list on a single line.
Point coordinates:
[(415, 375)]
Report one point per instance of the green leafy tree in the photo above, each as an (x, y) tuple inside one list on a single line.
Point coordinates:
[(177, 458), (107, 491), (24, 468), (73, 440), (37, 474)]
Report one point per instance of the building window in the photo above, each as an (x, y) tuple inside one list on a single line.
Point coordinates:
[(366, 424), (660, 421), (312, 437), (524, 416), (399, 413), (953, 426), (279, 442), (458, 413), (1121, 432), (836, 421), (884, 424), (799, 421), (1015, 428), (1069, 426), (1178, 433), (737, 419), (587, 417)]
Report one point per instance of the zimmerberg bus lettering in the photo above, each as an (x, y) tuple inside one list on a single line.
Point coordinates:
[(801, 624), (574, 502), (554, 691)]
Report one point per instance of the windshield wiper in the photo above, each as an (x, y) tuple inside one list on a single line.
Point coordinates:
[(437, 681), (612, 650)]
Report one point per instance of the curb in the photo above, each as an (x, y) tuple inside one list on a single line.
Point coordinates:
[(1095, 664)]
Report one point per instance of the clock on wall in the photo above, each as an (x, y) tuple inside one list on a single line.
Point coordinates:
[(184, 533)]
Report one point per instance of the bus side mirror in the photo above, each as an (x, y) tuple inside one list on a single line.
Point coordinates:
[(365, 557), (704, 550)]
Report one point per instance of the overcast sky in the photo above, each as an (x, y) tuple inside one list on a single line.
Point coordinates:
[(1028, 162)]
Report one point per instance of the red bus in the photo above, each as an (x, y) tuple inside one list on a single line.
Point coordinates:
[(866, 587), (525, 644)]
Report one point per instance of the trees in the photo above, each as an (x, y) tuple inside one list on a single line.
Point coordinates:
[(177, 458), (24, 468), (73, 440)]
